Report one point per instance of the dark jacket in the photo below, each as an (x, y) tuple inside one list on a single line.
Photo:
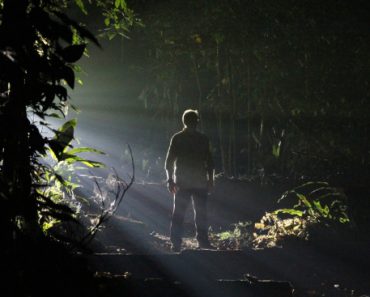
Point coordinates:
[(190, 156)]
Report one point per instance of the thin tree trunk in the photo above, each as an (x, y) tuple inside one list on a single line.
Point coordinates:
[(219, 116), (232, 139), (249, 136), (197, 79), (221, 140), (16, 165)]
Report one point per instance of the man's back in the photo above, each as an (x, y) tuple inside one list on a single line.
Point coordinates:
[(190, 151)]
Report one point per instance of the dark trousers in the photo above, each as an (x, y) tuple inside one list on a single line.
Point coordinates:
[(181, 203)]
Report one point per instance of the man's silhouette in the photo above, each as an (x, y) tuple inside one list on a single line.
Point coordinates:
[(190, 176)]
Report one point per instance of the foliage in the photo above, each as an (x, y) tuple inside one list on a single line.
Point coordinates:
[(60, 178), (314, 203), (284, 85), (238, 238), (118, 18), (39, 47), (319, 201), (307, 209), (89, 213), (40, 68), (272, 230), (108, 196)]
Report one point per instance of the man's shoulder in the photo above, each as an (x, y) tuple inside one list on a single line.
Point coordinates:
[(177, 137), (177, 134), (184, 135)]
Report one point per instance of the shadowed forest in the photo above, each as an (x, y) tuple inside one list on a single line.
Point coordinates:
[(91, 92)]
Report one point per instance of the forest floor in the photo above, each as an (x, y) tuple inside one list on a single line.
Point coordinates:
[(326, 267), (312, 270)]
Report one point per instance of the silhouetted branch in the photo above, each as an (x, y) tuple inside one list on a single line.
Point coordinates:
[(120, 187)]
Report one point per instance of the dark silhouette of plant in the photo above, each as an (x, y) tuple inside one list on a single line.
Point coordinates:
[(39, 46), (38, 49), (108, 198)]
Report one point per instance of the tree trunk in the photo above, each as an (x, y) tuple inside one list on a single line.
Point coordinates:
[(17, 158)]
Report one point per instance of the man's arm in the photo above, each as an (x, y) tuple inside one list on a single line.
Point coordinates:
[(210, 168), (169, 165)]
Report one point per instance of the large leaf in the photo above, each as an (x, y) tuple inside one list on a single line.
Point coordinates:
[(37, 142), (84, 150), (81, 30), (68, 75), (117, 3), (290, 211), (88, 163), (323, 210), (63, 136), (276, 150), (73, 53), (81, 6), (304, 200)]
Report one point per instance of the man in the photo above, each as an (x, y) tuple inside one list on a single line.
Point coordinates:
[(190, 175)]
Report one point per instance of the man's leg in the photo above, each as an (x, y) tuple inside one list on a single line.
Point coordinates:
[(180, 204), (200, 212)]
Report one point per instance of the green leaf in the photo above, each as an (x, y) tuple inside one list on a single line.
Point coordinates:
[(52, 153), (93, 164), (75, 108), (225, 235), (88, 163), (124, 5), (290, 211), (276, 150), (81, 6), (311, 183), (111, 35), (344, 220), (63, 136), (304, 200), (84, 150), (67, 125), (117, 3), (107, 22), (71, 159), (324, 211)]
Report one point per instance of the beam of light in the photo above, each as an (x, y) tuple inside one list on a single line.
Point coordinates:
[(151, 204), (109, 126), (109, 132)]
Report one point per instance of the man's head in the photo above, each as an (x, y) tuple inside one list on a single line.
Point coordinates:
[(190, 118)]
